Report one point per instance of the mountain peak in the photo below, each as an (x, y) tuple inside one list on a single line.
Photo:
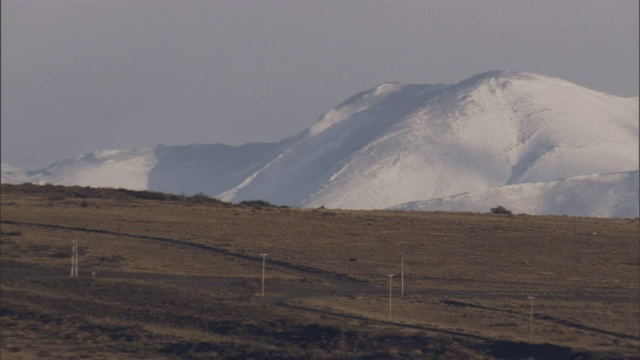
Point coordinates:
[(500, 79), (494, 80)]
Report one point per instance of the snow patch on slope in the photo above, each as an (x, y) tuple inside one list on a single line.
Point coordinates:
[(598, 195)]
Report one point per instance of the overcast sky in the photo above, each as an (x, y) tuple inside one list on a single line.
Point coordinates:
[(82, 75)]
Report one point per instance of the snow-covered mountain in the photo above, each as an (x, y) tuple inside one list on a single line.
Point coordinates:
[(399, 143)]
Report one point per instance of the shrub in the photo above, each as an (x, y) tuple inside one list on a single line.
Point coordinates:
[(60, 254), (256, 203), (500, 210)]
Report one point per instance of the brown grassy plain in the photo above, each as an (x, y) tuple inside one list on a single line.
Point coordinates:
[(180, 277)]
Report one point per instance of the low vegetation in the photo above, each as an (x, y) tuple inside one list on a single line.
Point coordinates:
[(258, 204), (56, 192), (176, 277)]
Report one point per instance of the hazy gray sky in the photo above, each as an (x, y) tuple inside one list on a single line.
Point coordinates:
[(83, 75)]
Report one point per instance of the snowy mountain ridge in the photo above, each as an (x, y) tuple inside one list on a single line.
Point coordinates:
[(400, 143)]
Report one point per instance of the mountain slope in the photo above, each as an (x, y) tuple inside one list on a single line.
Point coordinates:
[(322, 150), (209, 169), (606, 195)]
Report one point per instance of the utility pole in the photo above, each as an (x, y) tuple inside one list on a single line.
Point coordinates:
[(402, 275), (264, 257), (390, 277), (74, 259), (531, 318)]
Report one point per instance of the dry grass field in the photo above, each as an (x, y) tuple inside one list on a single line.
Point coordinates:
[(173, 277)]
